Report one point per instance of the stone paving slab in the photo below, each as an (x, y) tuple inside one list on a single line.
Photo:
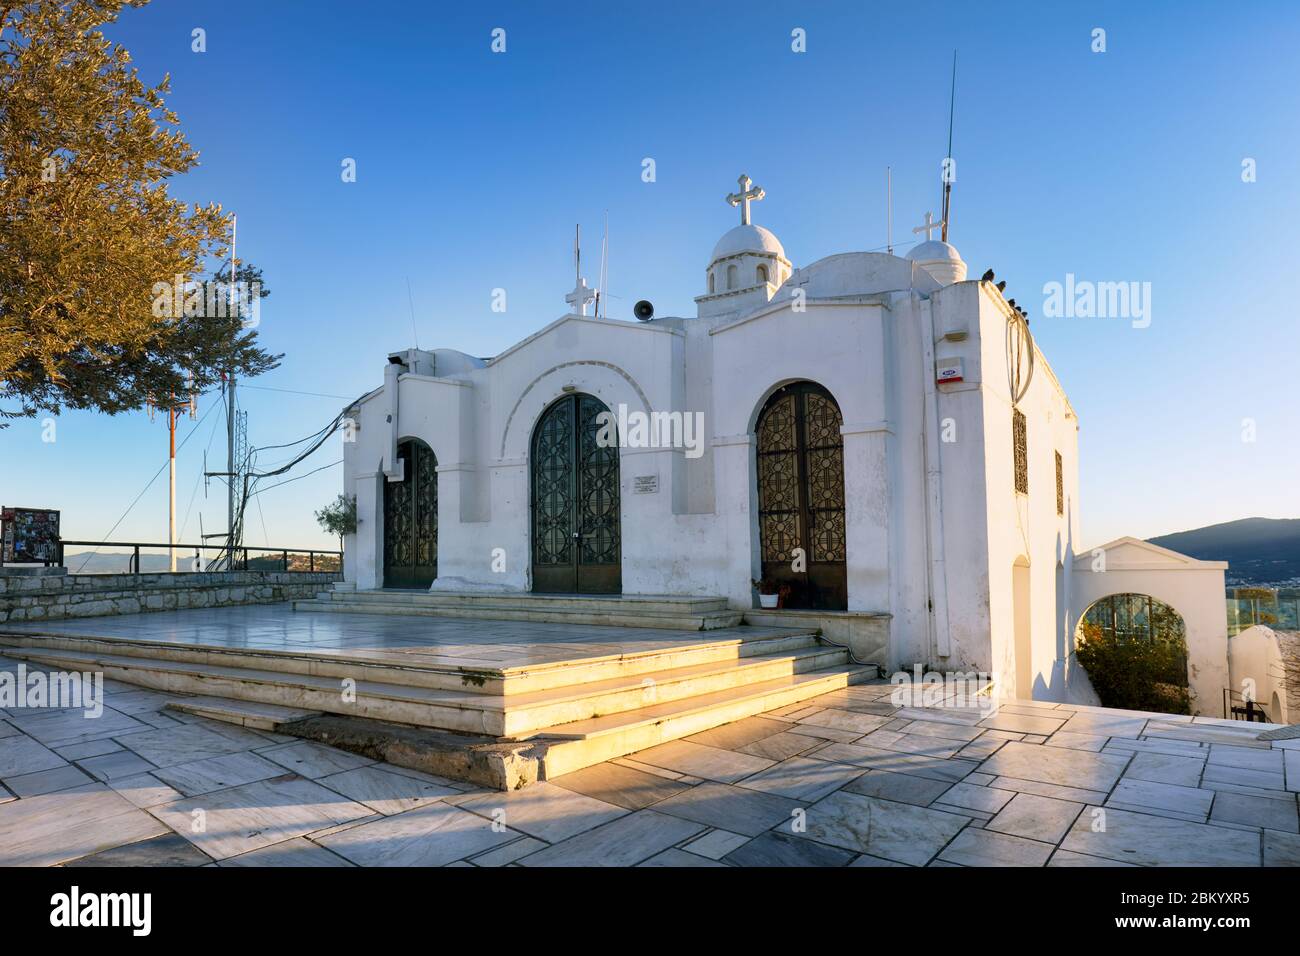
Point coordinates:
[(987, 848), (1149, 840), (621, 786), (750, 812), (1070, 768), (432, 835), (59, 827), (1036, 818), (1165, 799), (258, 814), (895, 831), (544, 811), (847, 779), (623, 842)]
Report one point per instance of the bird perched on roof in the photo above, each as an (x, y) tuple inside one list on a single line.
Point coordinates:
[(987, 277), (1002, 286)]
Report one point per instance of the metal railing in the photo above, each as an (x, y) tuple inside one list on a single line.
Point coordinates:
[(1239, 707), (1278, 608), (251, 558)]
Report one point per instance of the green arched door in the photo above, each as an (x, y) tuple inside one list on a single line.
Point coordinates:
[(576, 546), (411, 519)]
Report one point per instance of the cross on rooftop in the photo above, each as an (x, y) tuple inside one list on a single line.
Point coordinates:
[(745, 197), (580, 296), (929, 227)]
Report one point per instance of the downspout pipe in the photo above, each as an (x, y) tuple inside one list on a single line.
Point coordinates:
[(394, 469), (938, 574)]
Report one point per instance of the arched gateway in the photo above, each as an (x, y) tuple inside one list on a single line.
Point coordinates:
[(576, 547), (801, 496)]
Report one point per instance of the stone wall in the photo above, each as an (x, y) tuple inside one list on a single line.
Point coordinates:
[(54, 597)]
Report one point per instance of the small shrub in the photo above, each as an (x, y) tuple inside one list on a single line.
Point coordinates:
[(1135, 674)]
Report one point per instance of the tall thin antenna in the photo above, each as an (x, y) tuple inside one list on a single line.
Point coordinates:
[(577, 253), (947, 164), (889, 210), (410, 301), (604, 269), (230, 424)]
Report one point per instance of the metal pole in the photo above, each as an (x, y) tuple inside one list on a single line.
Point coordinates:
[(171, 496), (230, 422)]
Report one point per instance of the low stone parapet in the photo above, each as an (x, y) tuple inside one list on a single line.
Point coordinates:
[(26, 598)]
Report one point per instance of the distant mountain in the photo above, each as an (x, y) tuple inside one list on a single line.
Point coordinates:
[(1258, 550), (117, 562)]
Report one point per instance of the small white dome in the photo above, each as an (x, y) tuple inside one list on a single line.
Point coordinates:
[(934, 251), (748, 238), (940, 260)]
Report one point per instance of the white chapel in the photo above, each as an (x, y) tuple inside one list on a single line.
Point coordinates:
[(875, 437)]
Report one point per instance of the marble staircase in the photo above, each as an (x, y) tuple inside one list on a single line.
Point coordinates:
[(582, 711)]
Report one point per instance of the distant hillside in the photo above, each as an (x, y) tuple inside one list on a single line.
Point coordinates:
[(1258, 550), (114, 562)]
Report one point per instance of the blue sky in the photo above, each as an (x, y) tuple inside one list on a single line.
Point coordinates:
[(473, 167)]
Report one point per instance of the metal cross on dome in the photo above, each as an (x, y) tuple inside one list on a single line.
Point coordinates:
[(929, 227), (745, 197)]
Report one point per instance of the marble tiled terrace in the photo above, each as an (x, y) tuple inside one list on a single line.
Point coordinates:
[(377, 638), (847, 779)]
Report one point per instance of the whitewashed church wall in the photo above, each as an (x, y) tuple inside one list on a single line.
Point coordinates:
[(1024, 527), (843, 348), (618, 362), (698, 383)]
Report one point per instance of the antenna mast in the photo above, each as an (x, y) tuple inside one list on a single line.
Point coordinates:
[(889, 210), (947, 164), (604, 270), (230, 424), (410, 301)]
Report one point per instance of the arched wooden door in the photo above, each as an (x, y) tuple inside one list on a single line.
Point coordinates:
[(411, 520), (801, 496), (575, 502)]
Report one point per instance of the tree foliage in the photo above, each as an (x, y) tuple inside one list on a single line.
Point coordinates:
[(339, 517), (1139, 674), (88, 231)]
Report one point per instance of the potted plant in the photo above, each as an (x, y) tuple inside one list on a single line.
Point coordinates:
[(769, 593)]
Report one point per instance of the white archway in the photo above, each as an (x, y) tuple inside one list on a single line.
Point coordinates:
[(1193, 588)]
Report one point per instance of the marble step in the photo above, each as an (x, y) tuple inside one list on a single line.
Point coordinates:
[(653, 603), (611, 614), (508, 716), (459, 675), (244, 713), (526, 713), (403, 704), (579, 744)]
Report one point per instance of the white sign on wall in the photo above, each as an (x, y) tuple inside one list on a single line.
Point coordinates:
[(645, 484)]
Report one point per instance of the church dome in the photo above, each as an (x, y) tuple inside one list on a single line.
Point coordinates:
[(748, 238), (940, 260), (934, 251)]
